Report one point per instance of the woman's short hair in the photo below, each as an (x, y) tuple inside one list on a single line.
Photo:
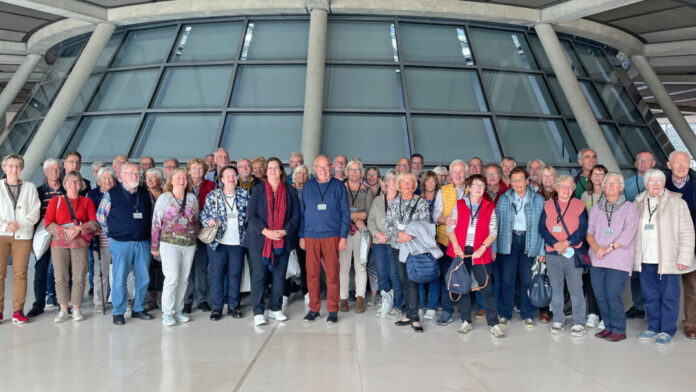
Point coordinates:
[(98, 165), (356, 162), (475, 177), (406, 176), (104, 170), (374, 169), (16, 157), (562, 178), (653, 173), (228, 167), (155, 172), (169, 186), (440, 170), (550, 169), (194, 161), (73, 174), (298, 170), (429, 175), (283, 176), (391, 173), (613, 174)]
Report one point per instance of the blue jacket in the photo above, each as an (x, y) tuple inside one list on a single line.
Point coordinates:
[(505, 214), (331, 221), (257, 216), (209, 212)]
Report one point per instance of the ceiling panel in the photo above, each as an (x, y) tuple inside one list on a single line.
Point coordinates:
[(115, 3), (15, 36), (660, 20), (15, 22), (13, 9), (635, 9), (523, 3)]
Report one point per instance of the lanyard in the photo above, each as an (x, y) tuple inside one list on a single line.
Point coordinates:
[(137, 198), (474, 216), (224, 197), (183, 204), (402, 213), (637, 186), (352, 198), (522, 203), (12, 195), (322, 195), (560, 217), (651, 211)]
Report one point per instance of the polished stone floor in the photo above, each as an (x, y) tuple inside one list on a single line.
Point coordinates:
[(360, 353)]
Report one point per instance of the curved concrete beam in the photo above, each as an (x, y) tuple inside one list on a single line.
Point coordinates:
[(608, 35), (45, 38)]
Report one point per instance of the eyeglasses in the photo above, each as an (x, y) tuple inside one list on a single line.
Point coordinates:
[(130, 174), (74, 162)]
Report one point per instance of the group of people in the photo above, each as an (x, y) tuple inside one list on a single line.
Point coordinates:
[(594, 232)]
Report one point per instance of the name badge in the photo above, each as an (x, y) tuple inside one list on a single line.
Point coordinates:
[(557, 229), (608, 232), (183, 221), (137, 215), (321, 207), (353, 209), (649, 226)]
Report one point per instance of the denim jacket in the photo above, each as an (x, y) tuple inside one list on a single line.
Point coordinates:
[(505, 212), (208, 213)]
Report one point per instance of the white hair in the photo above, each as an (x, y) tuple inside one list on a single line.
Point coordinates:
[(157, 173), (49, 162), (358, 162), (675, 152), (391, 173), (459, 162), (298, 170), (654, 173), (613, 174), (104, 170), (583, 151), (440, 170), (543, 165)]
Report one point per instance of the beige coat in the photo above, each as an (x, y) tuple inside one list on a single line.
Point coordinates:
[(675, 233), (27, 213)]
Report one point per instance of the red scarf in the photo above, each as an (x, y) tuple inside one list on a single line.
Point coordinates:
[(276, 219)]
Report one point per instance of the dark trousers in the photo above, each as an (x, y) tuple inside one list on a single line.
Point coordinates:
[(608, 285), (409, 288), (661, 296), (447, 304), (225, 263), (198, 288), (482, 274), (259, 271), (592, 307), (515, 264), (40, 280), (636, 292), (302, 261)]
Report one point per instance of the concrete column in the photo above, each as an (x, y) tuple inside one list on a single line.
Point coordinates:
[(665, 101), (573, 93), (14, 86), (55, 117), (314, 85)]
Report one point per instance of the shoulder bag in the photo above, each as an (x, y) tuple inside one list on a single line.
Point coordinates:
[(208, 233)]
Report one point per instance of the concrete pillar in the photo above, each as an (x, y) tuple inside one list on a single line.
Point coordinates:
[(14, 86), (314, 84), (573, 93), (55, 117), (666, 103)]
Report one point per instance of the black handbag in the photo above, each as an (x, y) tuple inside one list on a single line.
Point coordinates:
[(422, 268), (458, 279), (539, 286)]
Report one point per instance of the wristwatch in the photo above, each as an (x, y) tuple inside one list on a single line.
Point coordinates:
[(612, 246)]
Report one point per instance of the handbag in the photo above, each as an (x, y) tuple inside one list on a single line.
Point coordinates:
[(41, 241), (208, 233), (85, 237), (581, 256), (293, 266), (458, 279), (540, 285), (422, 268)]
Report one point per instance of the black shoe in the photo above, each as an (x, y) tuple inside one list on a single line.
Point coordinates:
[(34, 312), (143, 315), (630, 313), (311, 316), (417, 328), (235, 313), (333, 318), (91, 292), (216, 315), (203, 306), (402, 323), (119, 319), (187, 308)]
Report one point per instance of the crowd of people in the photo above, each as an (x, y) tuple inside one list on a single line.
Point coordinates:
[(176, 238)]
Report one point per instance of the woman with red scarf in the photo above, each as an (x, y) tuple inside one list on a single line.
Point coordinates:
[(273, 216)]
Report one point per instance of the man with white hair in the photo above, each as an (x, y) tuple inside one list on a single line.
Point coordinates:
[(296, 159)]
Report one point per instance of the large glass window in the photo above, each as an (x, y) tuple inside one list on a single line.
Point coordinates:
[(362, 87), (374, 138), (528, 138), (124, 90), (518, 93), (85, 94), (421, 43), (104, 137), (61, 137), (502, 49), (619, 104), (349, 40), (641, 139), (439, 138), (276, 40), (178, 135), (621, 153), (595, 62), (269, 86), (145, 47), (248, 135), (590, 94), (207, 42), (444, 89), (193, 87)]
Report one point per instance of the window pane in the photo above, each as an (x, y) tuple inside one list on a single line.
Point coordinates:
[(108, 53), (434, 44), (17, 136), (276, 40), (623, 157), (543, 60), (619, 104), (145, 47), (178, 135), (595, 63), (590, 95), (85, 94), (559, 96), (444, 139), (124, 90), (527, 138), (576, 134), (379, 138), (641, 139), (518, 93), (68, 55), (444, 89), (573, 59), (269, 86), (361, 41), (104, 137), (505, 49), (61, 137), (248, 135), (195, 87), (215, 41), (362, 87)]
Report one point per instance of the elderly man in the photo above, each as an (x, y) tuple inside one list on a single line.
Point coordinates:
[(403, 165), (169, 165), (416, 165), (118, 162), (246, 179), (210, 162), (296, 159), (681, 179), (587, 158), (125, 214), (324, 229), (146, 163), (339, 167), (475, 166), (494, 186), (221, 159), (507, 164), (73, 161), (534, 168)]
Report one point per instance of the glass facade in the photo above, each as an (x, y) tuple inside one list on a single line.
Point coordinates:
[(393, 86)]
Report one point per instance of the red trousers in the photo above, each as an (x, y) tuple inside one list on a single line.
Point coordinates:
[(328, 248)]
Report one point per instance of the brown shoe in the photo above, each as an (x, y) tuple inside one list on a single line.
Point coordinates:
[(359, 304), (480, 314), (344, 305), (690, 332), (545, 317)]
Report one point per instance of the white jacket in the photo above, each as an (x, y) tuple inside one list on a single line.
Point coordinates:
[(27, 213)]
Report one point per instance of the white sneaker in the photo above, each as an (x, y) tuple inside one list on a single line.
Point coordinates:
[(592, 321), (259, 320), (557, 328), (182, 318), (284, 307), (497, 331), (465, 328), (168, 320), (395, 314), (277, 315), (503, 322), (429, 314), (77, 315), (63, 315), (529, 323), (601, 326), (420, 313), (577, 331)]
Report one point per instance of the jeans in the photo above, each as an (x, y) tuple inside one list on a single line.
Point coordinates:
[(410, 288), (40, 280), (636, 292), (447, 305), (661, 296), (386, 272), (225, 261), (176, 264), (608, 285), (511, 265), (258, 280), (90, 265), (562, 269), (592, 307), (198, 289), (480, 272), (125, 254)]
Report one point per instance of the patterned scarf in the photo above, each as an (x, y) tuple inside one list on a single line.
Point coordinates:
[(276, 220), (248, 186)]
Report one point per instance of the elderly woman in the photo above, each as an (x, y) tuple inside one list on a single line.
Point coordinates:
[(664, 250), (273, 214), (372, 180), (548, 178), (72, 220), (429, 188), (226, 208), (594, 192), (403, 209), (470, 239), (153, 180), (610, 234), (563, 225), (173, 240), (258, 167), (19, 211), (441, 173), (388, 280), (105, 180), (359, 200), (299, 177)]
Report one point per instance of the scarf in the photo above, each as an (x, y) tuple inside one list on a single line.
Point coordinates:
[(276, 219), (605, 206), (248, 186)]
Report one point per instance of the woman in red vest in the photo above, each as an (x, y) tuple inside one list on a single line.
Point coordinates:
[(475, 229)]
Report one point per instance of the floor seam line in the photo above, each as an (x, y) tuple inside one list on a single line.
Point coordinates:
[(256, 357)]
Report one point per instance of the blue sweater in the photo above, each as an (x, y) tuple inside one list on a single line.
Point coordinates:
[(688, 192), (332, 221), (121, 222)]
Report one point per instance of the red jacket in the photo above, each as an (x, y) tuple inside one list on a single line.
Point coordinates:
[(503, 188), (206, 187), (482, 225)]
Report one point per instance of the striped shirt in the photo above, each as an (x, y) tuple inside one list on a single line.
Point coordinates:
[(471, 230)]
